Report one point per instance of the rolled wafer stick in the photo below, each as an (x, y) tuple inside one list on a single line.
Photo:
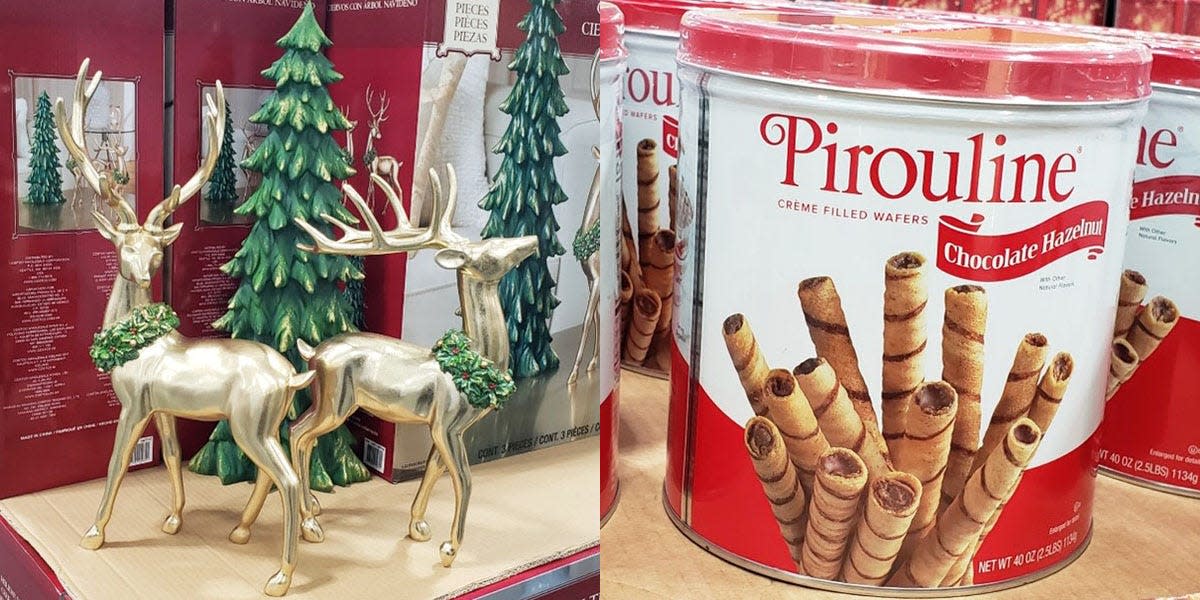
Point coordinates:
[(1051, 389), (1153, 324), (658, 269), (827, 327), (1017, 395), (835, 414), (647, 309), (889, 508), (672, 194), (923, 451), (962, 367), (1122, 361), (790, 411), (964, 521), (629, 252), (1129, 301), (624, 302), (832, 512), (647, 194), (962, 573), (747, 359), (904, 299), (779, 482)]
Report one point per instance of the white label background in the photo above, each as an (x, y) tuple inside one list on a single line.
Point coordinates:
[(642, 120), (609, 360), (755, 253)]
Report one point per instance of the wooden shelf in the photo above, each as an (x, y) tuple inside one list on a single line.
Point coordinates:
[(1144, 544)]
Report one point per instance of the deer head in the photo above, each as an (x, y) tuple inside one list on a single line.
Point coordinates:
[(139, 246), (378, 115)]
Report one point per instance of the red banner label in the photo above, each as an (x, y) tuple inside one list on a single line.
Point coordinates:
[(670, 136), (1172, 195), (964, 252)]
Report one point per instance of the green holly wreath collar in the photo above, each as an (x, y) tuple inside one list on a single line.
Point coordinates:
[(120, 342), (475, 376), (587, 242)]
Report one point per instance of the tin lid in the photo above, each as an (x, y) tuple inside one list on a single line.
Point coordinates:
[(612, 31), (662, 16), (982, 62)]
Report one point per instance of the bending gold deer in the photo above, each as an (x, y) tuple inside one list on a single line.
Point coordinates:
[(248, 383), (402, 382)]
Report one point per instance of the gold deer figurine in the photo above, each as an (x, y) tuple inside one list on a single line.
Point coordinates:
[(170, 375), (399, 381), (586, 249), (379, 164)]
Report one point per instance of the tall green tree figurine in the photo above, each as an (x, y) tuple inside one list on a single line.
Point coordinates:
[(222, 186), (45, 180), (525, 190), (284, 293)]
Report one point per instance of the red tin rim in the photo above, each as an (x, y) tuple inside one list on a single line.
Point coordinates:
[(979, 61), (664, 15), (612, 31)]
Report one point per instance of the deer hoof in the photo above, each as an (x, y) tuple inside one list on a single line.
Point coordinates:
[(419, 531), (448, 554), (311, 530), (316, 506), (278, 584), (171, 524), (240, 535), (93, 539), (573, 378)]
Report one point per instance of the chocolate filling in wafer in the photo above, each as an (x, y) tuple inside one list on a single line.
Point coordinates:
[(1025, 433), (760, 439), (1164, 310), (781, 383), (647, 145), (813, 282), (1036, 340), (967, 289), (1135, 277), (733, 323), (935, 398), (808, 366), (647, 303), (906, 260), (1124, 353), (1063, 366), (841, 462), (893, 495)]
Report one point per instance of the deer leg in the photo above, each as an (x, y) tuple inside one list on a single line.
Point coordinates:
[(458, 464), (262, 488), (418, 528), (330, 408), (595, 316), (259, 440), (592, 309), (129, 427), (171, 459)]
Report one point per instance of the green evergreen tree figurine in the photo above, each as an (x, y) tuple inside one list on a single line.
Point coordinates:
[(45, 180), (524, 192), (222, 186), (284, 293)]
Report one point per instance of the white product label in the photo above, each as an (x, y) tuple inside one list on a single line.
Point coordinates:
[(143, 451), (470, 28), (650, 112), (610, 226), (1023, 211)]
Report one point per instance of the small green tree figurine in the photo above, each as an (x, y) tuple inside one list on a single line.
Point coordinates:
[(286, 294), (525, 190), (45, 180), (222, 186)]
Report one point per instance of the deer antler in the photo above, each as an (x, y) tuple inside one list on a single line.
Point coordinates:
[(214, 122), (70, 129), (401, 238), (378, 115), (594, 84)]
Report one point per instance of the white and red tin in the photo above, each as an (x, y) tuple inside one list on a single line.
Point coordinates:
[(931, 217), (611, 68), (1150, 435)]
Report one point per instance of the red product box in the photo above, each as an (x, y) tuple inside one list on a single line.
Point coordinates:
[(23, 573), (1079, 12), (57, 412), (231, 42), (1160, 16), (425, 88)]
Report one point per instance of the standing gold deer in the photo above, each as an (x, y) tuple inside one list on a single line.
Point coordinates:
[(377, 164), (402, 382), (246, 382), (586, 250)]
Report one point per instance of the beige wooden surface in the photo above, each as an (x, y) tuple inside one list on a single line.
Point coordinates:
[(524, 511), (1146, 544)]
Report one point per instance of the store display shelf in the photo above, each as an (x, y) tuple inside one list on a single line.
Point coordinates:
[(1144, 543)]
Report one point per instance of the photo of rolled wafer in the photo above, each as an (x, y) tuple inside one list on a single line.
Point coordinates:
[(888, 509), (1122, 362), (647, 308), (789, 410), (1153, 324), (832, 512), (1018, 393), (962, 524), (835, 414), (779, 481), (658, 271), (831, 336), (747, 359), (1051, 389), (904, 338), (647, 195), (962, 573), (672, 195), (923, 451), (1129, 301), (962, 367), (625, 294)]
